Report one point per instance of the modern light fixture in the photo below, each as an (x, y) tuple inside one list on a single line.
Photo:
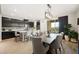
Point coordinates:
[(49, 6), (48, 12), (47, 15)]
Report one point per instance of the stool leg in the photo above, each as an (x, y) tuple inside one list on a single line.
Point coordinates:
[(16, 39), (56, 51)]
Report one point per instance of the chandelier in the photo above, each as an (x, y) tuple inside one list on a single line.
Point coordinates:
[(48, 12)]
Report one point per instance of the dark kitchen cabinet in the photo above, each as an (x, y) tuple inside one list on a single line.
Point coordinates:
[(17, 23), (10, 22), (25, 21), (6, 22), (31, 24), (8, 34)]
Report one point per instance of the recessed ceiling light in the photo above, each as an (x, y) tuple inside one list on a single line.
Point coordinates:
[(14, 10)]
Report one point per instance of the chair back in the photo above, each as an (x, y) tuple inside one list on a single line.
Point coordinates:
[(57, 42), (37, 46), (59, 39)]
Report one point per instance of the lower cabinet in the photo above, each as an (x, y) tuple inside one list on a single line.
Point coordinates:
[(7, 35)]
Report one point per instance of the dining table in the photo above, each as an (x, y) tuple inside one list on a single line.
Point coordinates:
[(51, 38)]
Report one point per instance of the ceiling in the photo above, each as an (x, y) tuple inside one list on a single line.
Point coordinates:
[(64, 9), (36, 11)]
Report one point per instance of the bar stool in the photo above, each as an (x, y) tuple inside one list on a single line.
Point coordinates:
[(17, 36)]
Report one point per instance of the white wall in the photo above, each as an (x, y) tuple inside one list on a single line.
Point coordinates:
[(43, 25), (73, 21), (0, 23), (0, 28), (77, 13), (77, 16), (78, 25)]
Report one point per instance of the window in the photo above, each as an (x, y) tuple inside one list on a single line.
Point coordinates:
[(54, 24)]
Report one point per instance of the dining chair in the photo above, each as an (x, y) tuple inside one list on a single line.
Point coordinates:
[(38, 47), (57, 44)]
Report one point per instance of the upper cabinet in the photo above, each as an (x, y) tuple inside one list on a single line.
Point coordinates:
[(5, 22), (31, 24), (10, 22)]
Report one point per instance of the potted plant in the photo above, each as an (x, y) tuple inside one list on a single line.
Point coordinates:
[(66, 31), (73, 36)]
